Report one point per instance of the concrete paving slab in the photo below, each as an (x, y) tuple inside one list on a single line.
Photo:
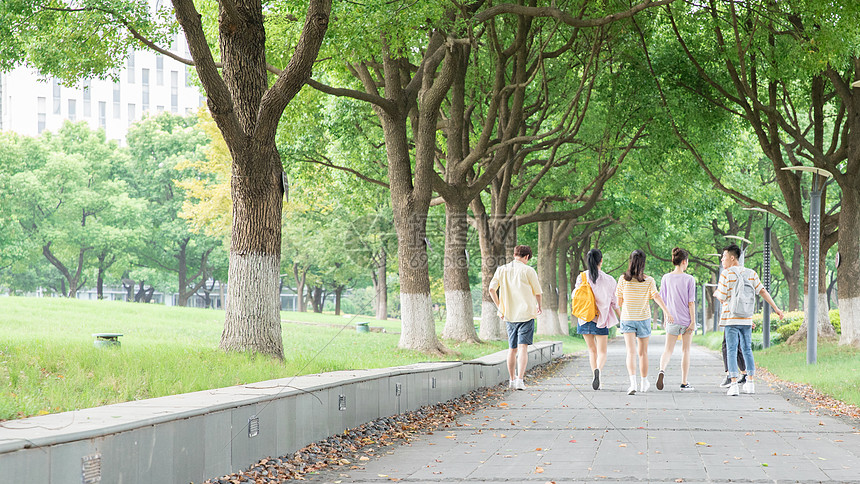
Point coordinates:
[(575, 434)]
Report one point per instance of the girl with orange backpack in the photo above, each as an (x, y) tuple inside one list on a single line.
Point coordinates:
[(595, 305)]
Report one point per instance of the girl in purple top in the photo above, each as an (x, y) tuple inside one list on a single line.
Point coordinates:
[(596, 332), (678, 290)]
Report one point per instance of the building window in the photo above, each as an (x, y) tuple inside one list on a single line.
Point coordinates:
[(88, 97), (159, 109), (73, 110), (116, 105), (42, 113), (144, 81), (174, 91), (102, 114), (132, 112), (187, 76), (159, 70), (131, 68), (56, 86)]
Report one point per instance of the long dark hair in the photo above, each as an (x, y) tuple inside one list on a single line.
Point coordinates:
[(636, 268), (592, 260)]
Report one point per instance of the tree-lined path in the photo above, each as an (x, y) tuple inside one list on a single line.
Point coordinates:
[(560, 430)]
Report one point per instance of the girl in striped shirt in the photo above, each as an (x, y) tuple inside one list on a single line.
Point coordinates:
[(634, 292)]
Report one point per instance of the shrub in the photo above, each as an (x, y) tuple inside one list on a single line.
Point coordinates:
[(785, 331), (835, 320)]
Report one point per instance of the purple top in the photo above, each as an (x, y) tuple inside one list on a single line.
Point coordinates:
[(604, 297), (678, 291)]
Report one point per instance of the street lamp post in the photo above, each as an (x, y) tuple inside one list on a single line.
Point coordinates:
[(819, 177), (766, 273)]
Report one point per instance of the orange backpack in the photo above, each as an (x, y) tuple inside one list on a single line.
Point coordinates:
[(582, 304)]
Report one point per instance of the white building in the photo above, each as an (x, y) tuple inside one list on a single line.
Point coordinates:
[(150, 83)]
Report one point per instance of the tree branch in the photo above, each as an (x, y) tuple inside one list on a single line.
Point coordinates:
[(562, 16)]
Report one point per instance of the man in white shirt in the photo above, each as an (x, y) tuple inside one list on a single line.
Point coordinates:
[(516, 291)]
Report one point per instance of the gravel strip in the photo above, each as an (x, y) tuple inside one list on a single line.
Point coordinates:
[(815, 401), (350, 449)]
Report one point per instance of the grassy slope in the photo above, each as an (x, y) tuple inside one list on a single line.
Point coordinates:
[(48, 362), (837, 372)]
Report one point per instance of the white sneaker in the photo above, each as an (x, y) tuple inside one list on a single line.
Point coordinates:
[(733, 390), (512, 385), (749, 387), (645, 385), (632, 389), (519, 384)]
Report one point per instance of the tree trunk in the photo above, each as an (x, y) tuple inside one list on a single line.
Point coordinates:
[(547, 321), (253, 318), (100, 278), (823, 327), (221, 295), (318, 299), (128, 285), (74, 280), (337, 295), (848, 272), (182, 270), (563, 292), (380, 286), (300, 288), (459, 320), (790, 272), (493, 236)]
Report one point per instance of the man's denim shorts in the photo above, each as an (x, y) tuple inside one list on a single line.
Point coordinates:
[(641, 328), (591, 328), (520, 333)]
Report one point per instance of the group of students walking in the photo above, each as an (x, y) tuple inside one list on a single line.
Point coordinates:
[(626, 302)]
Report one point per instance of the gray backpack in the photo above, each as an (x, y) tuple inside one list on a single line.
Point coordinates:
[(742, 304)]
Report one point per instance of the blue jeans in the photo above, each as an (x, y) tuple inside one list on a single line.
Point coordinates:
[(739, 336)]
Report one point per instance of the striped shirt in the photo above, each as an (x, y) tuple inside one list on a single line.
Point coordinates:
[(634, 296), (728, 281)]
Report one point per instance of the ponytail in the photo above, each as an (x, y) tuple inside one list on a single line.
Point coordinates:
[(592, 260)]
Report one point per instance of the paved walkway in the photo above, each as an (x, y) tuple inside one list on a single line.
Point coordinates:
[(560, 430)]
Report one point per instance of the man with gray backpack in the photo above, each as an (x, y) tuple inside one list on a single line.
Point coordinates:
[(736, 291)]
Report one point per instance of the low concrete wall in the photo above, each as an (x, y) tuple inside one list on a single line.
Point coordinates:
[(196, 436)]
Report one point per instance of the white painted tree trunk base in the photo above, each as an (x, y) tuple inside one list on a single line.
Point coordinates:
[(253, 307), (459, 317), (418, 332), (547, 323), (849, 319), (492, 327), (563, 323)]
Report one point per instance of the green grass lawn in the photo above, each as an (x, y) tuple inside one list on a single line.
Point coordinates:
[(48, 362), (836, 373)]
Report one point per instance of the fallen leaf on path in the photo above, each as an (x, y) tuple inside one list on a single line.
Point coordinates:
[(538, 470), (622, 445)]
